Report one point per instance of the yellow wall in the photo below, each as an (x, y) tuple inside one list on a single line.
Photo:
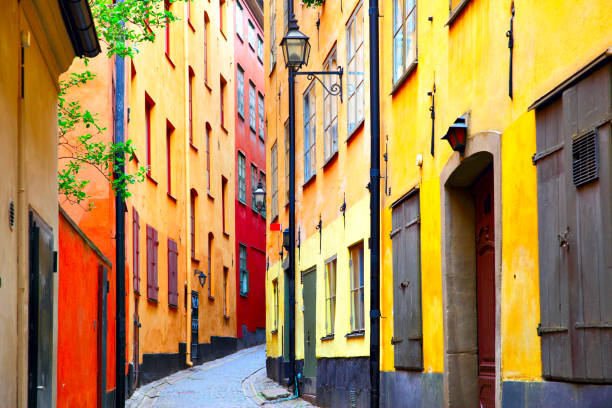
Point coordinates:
[(469, 61)]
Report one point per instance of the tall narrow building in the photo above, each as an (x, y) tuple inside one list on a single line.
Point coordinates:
[(250, 171)]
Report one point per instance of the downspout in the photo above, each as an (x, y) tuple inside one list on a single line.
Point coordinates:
[(119, 127), (374, 207)]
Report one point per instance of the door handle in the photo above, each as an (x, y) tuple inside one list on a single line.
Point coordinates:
[(41, 387)]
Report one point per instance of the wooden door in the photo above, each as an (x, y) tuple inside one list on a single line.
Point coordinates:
[(485, 286), (103, 289), (195, 323), (42, 263), (310, 314)]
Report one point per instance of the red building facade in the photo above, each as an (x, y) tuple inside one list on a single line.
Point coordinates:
[(250, 169)]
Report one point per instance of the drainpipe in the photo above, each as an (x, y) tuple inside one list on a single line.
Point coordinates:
[(291, 251), (120, 235), (374, 207)]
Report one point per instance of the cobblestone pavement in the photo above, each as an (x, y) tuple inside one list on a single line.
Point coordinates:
[(234, 381)]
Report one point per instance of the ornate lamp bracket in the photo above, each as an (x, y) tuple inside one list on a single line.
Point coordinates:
[(335, 88)]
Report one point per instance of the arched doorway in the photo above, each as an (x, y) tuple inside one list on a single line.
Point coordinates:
[(471, 273)]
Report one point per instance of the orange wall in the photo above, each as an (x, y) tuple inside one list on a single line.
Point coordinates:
[(77, 368)]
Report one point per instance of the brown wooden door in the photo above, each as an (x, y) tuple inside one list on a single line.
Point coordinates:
[(485, 286)]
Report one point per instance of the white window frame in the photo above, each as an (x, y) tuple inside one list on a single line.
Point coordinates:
[(330, 110), (310, 133), (355, 70), (404, 37)]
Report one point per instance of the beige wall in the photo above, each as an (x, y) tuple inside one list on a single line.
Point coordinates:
[(28, 161)]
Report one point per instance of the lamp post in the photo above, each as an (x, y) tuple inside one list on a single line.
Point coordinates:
[(296, 51)]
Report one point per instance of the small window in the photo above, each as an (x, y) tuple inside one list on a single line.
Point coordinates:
[(330, 110), (239, 20), (167, 27), (404, 36), (210, 265), (208, 136), (274, 166), (330, 296), (252, 107), (262, 177), (241, 178), (169, 133), (287, 162), (222, 91), (253, 185), (240, 96), (224, 203), (357, 287), (149, 104), (275, 305), (260, 116), (251, 35), (260, 45), (272, 26), (225, 292), (244, 273), (206, 41)]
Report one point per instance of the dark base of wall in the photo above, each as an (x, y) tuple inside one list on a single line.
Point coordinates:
[(250, 339), (532, 394), (217, 348), (343, 382), (109, 399), (159, 365), (276, 368), (411, 389)]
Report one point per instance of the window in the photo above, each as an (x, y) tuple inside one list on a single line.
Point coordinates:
[(275, 305), (330, 296), (192, 219), (330, 110), (309, 134), (244, 273), (251, 35), (241, 178), (355, 63), (206, 34), (224, 203), (208, 131), (273, 44), (210, 265), (225, 292), (136, 250), (259, 48), (172, 273), (573, 186), (260, 111), (239, 20), (262, 177), (287, 162), (167, 28), (240, 101), (222, 16), (191, 77), (149, 104), (357, 295), (252, 107), (404, 36), (222, 99), (169, 132), (407, 312), (274, 167), (152, 246), (253, 185)]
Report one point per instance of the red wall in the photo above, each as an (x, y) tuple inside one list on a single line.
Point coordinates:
[(250, 226), (77, 369)]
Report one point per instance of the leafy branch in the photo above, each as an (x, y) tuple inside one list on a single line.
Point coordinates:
[(313, 3)]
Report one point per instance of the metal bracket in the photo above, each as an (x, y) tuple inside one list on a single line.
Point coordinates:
[(334, 89)]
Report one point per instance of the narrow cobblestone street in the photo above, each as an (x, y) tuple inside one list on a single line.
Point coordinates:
[(237, 380)]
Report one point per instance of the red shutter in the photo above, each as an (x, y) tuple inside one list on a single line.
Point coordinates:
[(172, 273), (155, 273), (136, 250), (150, 264)]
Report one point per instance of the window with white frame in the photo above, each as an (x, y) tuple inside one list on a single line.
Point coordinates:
[(274, 167), (240, 102), (404, 36), (330, 296), (251, 35), (252, 107), (262, 177), (309, 133), (355, 64), (241, 178), (253, 185), (259, 48), (239, 20), (287, 162), (244, 273), (357, 292), (330, 110), (275, 303), (273, 34), (260, 115)]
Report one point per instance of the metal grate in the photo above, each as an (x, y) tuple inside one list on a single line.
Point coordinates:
[(585, 159), (12, 214)]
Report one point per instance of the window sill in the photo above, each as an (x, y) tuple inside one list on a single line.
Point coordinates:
[(273, 220), (240, 115), (207, 86), (260, 60), (331, 159), (328, 337), (172, 307), (223, 34), (402, 80), (273, 332), (211, 298), (153, 301), (241, 202), (226, 234), (244, 295), (191, 25), (224, 129), (210, 197), (309, 181), (193, 147), (355, 130), (170, 60), (355, 334), (195, 260), (272, 69), (151, 179), (226, 317), (240, 37), (171, 197), (454, 14)]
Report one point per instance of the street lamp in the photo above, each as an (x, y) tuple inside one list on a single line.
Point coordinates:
[(201, 277), (457, 134), (259, 195), (296, 47)]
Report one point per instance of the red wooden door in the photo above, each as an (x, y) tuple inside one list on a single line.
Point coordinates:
[(485, 286)]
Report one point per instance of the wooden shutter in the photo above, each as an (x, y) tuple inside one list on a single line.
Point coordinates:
[(155, 265), (150, 264), (136, 250), (172, 273), (407, 314), (575, 232)]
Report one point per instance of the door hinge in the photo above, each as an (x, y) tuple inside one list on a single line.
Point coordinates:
[(544, 330)]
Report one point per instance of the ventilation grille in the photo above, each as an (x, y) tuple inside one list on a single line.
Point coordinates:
[(585, 159), (12, 214)]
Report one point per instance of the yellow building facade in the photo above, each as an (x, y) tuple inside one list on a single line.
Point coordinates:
[(469, 313)]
